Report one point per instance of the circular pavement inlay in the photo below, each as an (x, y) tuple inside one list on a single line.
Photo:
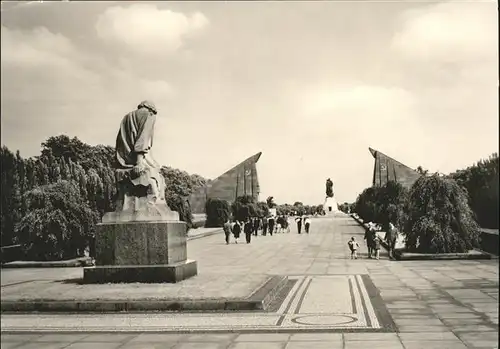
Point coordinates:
[(331, 320)]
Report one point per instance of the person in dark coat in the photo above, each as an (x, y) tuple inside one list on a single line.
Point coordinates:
[(227, 230), (370, 234), (248, 229), (236, 231), (271, 225), (256, 226), (264, 226), (299, 224)]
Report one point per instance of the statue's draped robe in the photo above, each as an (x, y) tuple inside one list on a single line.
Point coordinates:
[(136, 137)]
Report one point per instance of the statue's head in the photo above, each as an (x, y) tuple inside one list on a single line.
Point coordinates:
[(148, 105)]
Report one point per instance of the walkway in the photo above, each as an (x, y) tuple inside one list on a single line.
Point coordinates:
[(420, 304)]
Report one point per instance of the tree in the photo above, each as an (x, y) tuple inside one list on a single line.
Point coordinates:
[(366, 204), (218, 212), (270, 202), (179, 185), (58, 224), (481, 182), (422, 171), (320, 209), (344, 207), (299, 208), (284, 209), (262, 209), (244, 207), (391, 199), (11, 195), (439, 217)]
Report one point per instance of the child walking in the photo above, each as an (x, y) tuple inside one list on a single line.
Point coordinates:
[(376, 247), (353, 246)]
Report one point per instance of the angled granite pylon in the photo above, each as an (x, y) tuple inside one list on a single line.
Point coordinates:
[(387, 169), (240, 180)]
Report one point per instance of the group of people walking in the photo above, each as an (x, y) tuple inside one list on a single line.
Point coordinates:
[(267, 225), (373, 241)]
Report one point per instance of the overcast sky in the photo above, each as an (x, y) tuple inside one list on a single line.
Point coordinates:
[(310, 84)]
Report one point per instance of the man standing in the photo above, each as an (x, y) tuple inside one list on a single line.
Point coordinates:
[(391, 236), (236, 231), (264, 226), (248, 229), (256, 224), (271, 225), (307, 224), (299, 224), (227, 230), (370, 235)]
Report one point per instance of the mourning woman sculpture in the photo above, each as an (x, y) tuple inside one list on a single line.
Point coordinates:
[(140, 184), (329, 188)]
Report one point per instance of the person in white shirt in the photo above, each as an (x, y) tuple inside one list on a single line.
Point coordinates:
[(298, 220), (307, 224), (353, 246)]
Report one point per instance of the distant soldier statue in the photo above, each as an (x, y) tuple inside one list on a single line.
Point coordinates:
[(140, 184), (329, 188)]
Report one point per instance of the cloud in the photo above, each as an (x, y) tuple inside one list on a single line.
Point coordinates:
[(147, 29), (356, 100), (342, 122), (38, 47), (45, 76), (449, 32), (38, 65), (359, 111)]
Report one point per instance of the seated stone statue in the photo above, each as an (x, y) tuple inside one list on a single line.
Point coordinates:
[(140, 184)]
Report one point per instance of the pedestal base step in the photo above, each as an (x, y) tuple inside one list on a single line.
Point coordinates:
[(169, 273), (268, 296)]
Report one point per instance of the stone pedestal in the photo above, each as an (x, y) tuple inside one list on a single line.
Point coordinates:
[(147, 251), (330, 206)]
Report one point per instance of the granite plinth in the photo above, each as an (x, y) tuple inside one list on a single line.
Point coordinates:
[(154, 251), (170, 273), (141, 243), (330, 205)]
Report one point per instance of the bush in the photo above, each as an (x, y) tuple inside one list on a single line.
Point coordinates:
[(391, 199), (243, 208), (59, 223), (382, 204), (218, 212), (366, 204), (439, 217), (181, 205), (262, 209)]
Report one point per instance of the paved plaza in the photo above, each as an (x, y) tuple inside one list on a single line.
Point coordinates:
[(330, 301)]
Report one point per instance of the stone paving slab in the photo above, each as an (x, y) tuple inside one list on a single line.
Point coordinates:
[(233, 340)]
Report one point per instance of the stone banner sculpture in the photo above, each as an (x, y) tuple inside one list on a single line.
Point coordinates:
[(143, 240)]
